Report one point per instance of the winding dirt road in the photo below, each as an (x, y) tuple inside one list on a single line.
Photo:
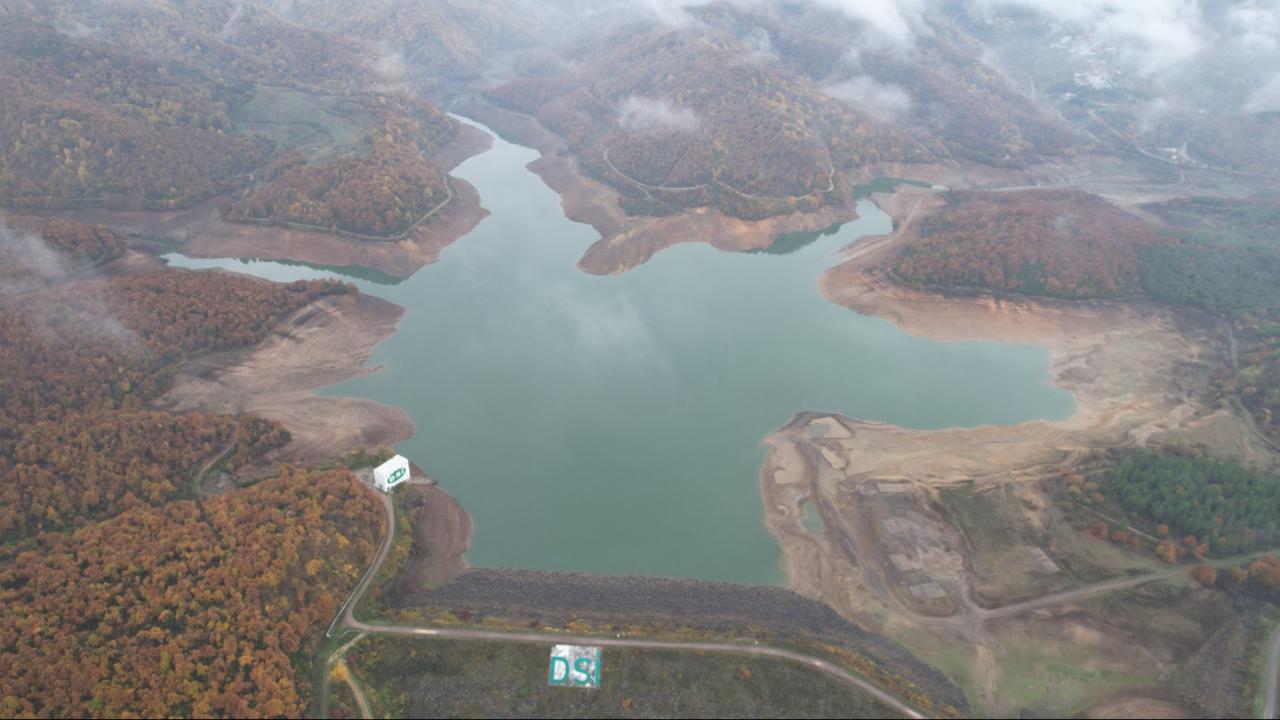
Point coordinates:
[(346, 620)]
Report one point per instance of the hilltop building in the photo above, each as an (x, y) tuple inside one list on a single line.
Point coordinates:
[(391, 473)]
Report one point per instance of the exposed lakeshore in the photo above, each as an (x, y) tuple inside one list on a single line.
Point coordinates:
[(1138, 371), (201, 232), (627, 241)]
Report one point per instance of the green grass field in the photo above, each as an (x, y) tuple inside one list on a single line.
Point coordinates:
[(294, 119), (408, 677)]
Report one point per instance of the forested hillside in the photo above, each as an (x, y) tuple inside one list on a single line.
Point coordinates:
[(194, 608), (124, 594), (1229, 265), (239, 39), (381, 192), (85, 124), (1058, 243), (679, 118), (429, 41), (943, 86), (106, 345), (1219, 256), (135, 106)]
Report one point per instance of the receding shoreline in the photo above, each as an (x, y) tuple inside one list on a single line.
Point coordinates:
[(1137, 371), (628, 241), (202, 233), (326, 342)]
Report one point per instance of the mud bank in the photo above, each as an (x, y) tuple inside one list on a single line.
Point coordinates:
[(323, 343), (441, 536), (627, 241)]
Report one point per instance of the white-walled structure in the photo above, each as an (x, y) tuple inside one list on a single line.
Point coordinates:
[(391, 473)]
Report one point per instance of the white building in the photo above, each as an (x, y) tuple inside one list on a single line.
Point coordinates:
[(391, 473)]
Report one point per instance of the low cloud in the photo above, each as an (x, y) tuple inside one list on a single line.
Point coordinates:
[(897, 21), (35, 279), (608, 328), (640, 114), (26, 262), (1152, 35), (760, 50), (76, 29), (1265, 98), (672, 12), (866, 94), (1153, 113), (391, 66)]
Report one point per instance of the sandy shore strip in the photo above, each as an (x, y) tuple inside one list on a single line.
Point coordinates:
[(321, 344)]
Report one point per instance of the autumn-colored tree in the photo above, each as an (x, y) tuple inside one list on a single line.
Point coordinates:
[(1204, 574), (1167, 551), (191, 608), (1098, 529)]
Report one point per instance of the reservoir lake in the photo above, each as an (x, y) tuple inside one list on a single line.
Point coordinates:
[(614, 424)]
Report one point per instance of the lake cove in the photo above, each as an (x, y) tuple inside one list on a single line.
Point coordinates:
[(613, 424)]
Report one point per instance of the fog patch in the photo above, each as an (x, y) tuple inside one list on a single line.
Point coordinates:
[(866, 94), (392, 70), (896, 22), (674, 13), (609, 328), (760, 50), (1265, 98), (76, 29), (27, 262), (1153, 36), (640, 114), (33, 283)]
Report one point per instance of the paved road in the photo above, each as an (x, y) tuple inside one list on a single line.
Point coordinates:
[(1273, 669), (346, 620)]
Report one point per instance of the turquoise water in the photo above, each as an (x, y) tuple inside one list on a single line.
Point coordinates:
[(613, 424)]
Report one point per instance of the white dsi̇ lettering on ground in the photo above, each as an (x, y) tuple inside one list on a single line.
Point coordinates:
[(574, 666)]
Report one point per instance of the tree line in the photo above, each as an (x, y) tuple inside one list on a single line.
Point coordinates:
[(1222, 504)]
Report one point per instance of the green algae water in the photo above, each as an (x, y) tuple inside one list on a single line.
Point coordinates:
[(614, 424)]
